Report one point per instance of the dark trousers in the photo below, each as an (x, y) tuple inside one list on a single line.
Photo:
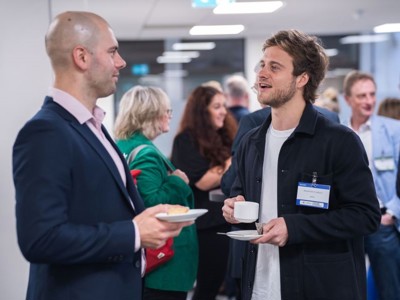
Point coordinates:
[(235, 261), (383, 249), (213, 259), (153, 294)]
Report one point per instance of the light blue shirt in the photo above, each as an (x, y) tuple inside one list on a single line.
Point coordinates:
[(385, 134)]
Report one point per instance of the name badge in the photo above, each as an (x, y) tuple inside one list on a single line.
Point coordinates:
[(384, 163), (313, 195)]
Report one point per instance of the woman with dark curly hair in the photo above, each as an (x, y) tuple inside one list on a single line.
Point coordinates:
[(202, 149)]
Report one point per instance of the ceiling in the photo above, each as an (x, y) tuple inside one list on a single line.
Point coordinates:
[(160, 19)]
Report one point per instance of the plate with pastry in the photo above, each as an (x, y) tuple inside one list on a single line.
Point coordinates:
[(178, 213)]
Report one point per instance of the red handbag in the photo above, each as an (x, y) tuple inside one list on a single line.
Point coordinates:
[(135, 174), (158, 257)]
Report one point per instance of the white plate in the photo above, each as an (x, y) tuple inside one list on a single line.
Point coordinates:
[(244, 235), (191, 215)]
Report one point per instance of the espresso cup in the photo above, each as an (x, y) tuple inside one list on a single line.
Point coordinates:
[(246, 211)]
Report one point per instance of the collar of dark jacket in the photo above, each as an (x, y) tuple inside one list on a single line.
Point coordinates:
[(307, 125)]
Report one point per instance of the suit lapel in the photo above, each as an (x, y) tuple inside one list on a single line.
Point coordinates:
[(130, 187), (98, 148)]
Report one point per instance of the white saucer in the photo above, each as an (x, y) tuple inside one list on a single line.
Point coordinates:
[(191, 215), (244, 235)]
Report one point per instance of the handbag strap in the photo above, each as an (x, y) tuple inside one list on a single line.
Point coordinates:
[(137, 149), (133, 153)]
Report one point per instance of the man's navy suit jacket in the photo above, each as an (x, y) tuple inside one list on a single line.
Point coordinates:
[(74, 214)]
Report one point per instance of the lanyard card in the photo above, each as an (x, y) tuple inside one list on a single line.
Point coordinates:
[(313, 195), (384, 163)]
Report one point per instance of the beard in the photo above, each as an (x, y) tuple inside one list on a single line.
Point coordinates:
[(280, 96), (101, 82)]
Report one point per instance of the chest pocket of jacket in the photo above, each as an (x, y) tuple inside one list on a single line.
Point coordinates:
[(317, 179)]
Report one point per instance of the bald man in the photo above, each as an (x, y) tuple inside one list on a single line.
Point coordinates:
[(80, 221)]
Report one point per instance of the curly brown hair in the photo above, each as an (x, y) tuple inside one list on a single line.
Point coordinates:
[(308, 57), (215, 145)]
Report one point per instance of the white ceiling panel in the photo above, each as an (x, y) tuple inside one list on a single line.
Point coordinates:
[(159, 19)]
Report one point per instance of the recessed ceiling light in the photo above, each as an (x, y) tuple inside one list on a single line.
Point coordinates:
[(175, 73), (248, 7), (332, 52), (190, 54), (216, 29), (173, 60), (388, 27), (368, 38), (194, 46)]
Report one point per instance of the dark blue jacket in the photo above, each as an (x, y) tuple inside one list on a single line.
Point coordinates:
[(238, 112), (324, 256), (74, 215)]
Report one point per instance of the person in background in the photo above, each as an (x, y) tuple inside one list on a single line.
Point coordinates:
[(381, 139), (311, 178), (80, 221), (390, 107), (144, 114), (329, 100), (236, 90), (213, 83), (201, 149)]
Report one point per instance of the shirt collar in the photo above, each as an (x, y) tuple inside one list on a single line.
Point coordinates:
[(363, 127), (76, 108)]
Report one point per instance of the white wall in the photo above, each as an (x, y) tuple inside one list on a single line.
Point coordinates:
[(25, 75)]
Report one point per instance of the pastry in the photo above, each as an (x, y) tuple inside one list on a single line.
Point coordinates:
[(177, 210)]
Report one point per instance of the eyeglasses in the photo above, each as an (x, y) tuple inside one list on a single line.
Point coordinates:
[(254, 88)]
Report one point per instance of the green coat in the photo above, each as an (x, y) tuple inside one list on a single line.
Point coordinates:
[(156, 186)]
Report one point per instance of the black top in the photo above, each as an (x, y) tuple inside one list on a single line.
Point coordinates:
[(186, 157)]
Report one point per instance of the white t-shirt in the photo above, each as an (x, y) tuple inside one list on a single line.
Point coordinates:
[(267, 283)]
